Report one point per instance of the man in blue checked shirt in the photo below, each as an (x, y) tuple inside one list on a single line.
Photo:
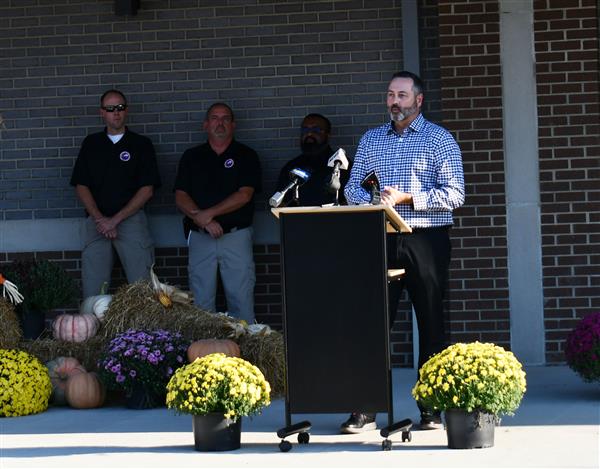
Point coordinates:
[(419, 166)]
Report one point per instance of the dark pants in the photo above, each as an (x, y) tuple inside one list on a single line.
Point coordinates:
[(425, 256)]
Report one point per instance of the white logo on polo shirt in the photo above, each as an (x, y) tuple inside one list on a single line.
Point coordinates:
[(124, 156), (228, 163)]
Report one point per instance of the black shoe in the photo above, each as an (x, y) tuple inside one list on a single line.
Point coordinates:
[(431, 420), (358, 423)]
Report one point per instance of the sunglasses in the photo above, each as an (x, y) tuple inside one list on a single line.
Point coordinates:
[(117, 107), (311, 130)]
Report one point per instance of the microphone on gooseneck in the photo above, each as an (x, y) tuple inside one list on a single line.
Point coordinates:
[(370, 183), (298, 177), (337, 161)]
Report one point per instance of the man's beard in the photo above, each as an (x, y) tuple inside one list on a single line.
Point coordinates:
[(403, 113), (313, 148)]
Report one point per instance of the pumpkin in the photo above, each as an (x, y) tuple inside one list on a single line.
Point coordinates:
[(96, 305), (60, 369), (84, 391), (75, 327), (204, 347)]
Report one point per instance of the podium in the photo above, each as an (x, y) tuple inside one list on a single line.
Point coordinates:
[(335, 305)]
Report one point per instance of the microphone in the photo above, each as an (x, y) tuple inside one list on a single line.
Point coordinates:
[(337, 161), (298, 177), (370, 183)]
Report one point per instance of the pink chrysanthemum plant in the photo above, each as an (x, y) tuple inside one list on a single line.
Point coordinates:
[(583, 348)]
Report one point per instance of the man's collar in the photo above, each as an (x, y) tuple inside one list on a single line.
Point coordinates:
[(416, 125)]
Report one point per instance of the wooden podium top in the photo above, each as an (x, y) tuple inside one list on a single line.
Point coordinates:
[(396, 221)]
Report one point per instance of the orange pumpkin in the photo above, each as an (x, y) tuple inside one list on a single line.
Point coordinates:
[(204, 347), (75, 327), (60, 369), (84, 391)]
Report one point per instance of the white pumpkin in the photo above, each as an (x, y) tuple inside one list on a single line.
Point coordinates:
[(75, 327), (96, 305)]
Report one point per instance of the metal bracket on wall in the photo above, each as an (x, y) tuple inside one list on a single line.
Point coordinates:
[(126, 7)]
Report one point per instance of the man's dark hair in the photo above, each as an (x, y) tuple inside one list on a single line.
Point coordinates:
[(315, 115), (106, 93), (214, 105), (417, 82)]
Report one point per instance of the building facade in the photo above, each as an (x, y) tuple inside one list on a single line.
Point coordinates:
[(515, 81)]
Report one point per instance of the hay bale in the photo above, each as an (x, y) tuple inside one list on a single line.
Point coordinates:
[(86, 352), (268, 354), (134, 306), (10, 332)]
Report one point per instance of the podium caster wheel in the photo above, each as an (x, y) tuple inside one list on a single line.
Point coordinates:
[(406, 436), (285, 446), (303, 438), (386, 445)]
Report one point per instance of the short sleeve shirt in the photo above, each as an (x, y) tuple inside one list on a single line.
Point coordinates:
[(209, 178), (114, 172)]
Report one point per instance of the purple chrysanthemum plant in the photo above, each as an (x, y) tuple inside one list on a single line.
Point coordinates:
[(583, 348), (142, 357)]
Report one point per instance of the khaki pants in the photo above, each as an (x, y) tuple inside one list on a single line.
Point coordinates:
[(133, 245), (232, 255)]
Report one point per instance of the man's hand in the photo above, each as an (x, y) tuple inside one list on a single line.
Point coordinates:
[(392, 196), (106, 226), (202, 218), (214, 229), (112, 234)]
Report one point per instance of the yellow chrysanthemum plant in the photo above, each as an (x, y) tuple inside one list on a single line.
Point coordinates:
[(217, 383), (472, 377), (25, 385)]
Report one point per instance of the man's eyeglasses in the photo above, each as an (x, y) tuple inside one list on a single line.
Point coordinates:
[(311, 130), (117, 107)]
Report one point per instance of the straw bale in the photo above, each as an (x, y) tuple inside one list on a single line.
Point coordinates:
[(10, 331), (135, 306), (86, 352)]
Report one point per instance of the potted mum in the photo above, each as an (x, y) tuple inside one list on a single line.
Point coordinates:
[(583, 348), (218, 391), (141, 363), (25, 385), (474, 384)]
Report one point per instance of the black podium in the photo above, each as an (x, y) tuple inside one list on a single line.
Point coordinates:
[(335, 303)]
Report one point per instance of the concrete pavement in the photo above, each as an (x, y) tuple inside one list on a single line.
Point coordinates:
[(556, 426)]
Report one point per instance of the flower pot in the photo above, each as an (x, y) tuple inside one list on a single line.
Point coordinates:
[(213, 432), (467, 430), (33, 323), (140, 397)]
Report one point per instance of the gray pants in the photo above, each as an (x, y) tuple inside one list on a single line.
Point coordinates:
[(232, 254), (133, 245)]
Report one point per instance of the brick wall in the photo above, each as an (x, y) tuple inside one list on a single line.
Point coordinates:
[(566, 45), (472, 111), (272, 61)]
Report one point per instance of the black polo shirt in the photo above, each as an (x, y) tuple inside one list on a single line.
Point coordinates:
[(209, 178), (315, 191), (114, 172)]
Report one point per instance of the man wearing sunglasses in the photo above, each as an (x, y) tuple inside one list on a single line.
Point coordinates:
[(214, 188), (314, 143), (114, 176)]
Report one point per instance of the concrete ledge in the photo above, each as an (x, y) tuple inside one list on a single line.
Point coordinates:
[(65, 234)]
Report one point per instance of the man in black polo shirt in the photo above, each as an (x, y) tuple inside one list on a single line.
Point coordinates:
[(214, 188), (114, 176), (314, 143)]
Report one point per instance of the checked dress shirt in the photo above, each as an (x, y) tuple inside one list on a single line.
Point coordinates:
[(424, 160)]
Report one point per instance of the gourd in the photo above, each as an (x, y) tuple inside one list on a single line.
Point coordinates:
[(60, 369), (75, 327), (97, 304), (84, 391), (201, 348)]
